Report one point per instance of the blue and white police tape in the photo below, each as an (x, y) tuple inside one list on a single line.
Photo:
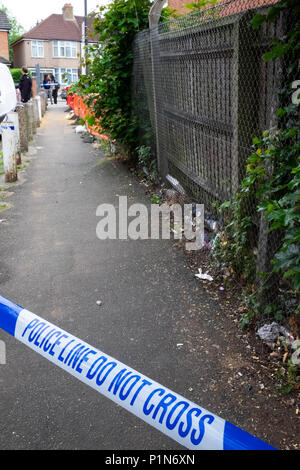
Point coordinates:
[(4, 127), (50, 84), (182, 420)]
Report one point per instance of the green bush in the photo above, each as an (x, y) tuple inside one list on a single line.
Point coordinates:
[(17, 74)]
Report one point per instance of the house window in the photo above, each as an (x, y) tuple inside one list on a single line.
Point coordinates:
[(37, 48), (64, 75), (55, 48), (57, 76), (65, 49), (74, 75), (44, 72)]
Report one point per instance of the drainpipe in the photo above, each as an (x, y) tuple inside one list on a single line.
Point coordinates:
[(83, 67), (85, 35)]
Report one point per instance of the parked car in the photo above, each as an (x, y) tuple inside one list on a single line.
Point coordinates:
[(7, 91), (64, 94)]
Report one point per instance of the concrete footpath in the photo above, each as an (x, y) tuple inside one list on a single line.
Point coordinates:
[(155, 316)]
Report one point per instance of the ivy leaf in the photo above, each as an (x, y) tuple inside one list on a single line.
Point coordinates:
[(277, 51), (280, 112), (258, 20), (256, 141), (289, 257), (225, 205)]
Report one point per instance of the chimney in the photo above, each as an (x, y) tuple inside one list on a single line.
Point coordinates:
[(68, 12)]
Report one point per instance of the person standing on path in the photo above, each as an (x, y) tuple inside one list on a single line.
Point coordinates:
[(25, 85), (18, 94), (47, 87), (55, 89)]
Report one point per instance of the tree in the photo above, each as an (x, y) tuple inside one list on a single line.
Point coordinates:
[(110, 72)]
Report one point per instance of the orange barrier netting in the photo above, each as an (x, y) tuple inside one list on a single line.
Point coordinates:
[(81, 110)]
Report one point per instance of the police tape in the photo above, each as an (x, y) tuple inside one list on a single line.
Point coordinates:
[(182, 420), (51, 84), (7, 126)]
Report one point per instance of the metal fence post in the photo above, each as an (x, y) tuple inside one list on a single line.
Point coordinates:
[(268, 242), (38, 78), (244, 98), (154, 16)]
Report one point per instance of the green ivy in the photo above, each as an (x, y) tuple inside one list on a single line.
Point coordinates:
[(278, 195), (272, 175), (146, 160)]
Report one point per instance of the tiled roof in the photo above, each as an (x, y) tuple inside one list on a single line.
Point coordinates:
[(4, 61), (239, 6), (229, 7), (56, 27), (4, 23)]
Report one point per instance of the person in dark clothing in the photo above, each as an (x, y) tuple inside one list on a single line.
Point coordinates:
[(25, 85), (48, 88), (55, 89)]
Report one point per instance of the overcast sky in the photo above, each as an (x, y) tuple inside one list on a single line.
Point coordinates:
[(28, 12)]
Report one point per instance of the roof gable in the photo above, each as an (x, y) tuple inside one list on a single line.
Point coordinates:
[(56, 27)]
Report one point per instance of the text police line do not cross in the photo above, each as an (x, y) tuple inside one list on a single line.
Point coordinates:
[(182, 420)]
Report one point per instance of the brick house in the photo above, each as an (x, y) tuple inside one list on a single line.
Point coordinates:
[(4, 30), (56, 44), (230, 8)]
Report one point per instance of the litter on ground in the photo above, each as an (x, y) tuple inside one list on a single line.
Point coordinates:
[(204, 276)]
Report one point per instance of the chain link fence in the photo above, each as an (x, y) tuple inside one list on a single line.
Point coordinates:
[(201, 92)]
